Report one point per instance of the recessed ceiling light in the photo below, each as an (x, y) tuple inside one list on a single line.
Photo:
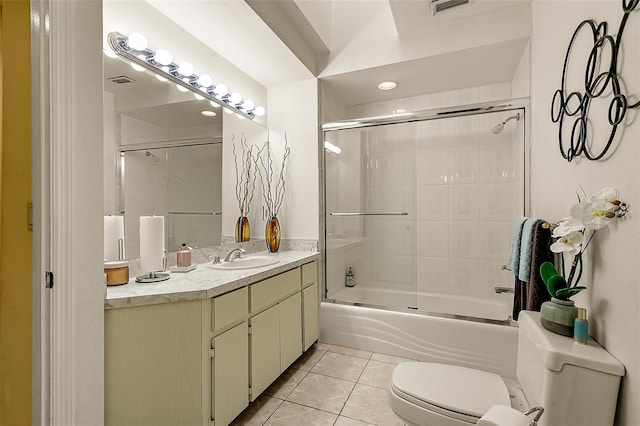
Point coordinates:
[(208, 113), (387, 85)]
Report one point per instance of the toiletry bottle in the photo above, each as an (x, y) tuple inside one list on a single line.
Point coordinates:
[(184, 256), (349, 279), (581, 327)]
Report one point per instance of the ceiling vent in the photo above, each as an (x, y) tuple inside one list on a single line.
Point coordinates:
[(438, 6), (121, 79)]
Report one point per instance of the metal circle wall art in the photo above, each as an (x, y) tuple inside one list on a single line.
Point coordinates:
[(576, 105)]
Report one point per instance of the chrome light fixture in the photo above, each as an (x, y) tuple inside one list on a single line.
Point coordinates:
[(134, 49)]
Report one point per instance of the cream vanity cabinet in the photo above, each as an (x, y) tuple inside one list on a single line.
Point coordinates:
[(200, 362)]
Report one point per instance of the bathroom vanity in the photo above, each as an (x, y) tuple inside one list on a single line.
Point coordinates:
[(195, 350)]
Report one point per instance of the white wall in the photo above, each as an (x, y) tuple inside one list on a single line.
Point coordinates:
[(293, 109), (612, 268)]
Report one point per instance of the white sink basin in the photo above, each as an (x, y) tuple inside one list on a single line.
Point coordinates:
[(247, 262)]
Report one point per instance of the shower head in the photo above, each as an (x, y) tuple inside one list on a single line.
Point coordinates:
[(152, 156), (498, 128)]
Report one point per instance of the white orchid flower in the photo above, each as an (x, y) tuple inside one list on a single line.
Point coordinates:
[(567, 225), (571, 242)]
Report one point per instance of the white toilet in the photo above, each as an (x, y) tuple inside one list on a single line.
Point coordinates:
[(575, 384)]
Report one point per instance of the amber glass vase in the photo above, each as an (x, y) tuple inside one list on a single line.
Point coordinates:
[(242, 229), (272, 234)]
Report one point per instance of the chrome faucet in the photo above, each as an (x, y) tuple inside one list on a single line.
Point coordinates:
[(236, 253)]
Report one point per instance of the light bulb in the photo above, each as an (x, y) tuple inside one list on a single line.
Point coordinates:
[(235, 98), (136, 66), (259, 111), (228, 111), (208, 113), (214, 104), (186, 69), (161, 78), (137, 41), (198, 97), (221, 89), (205, 80), (181, 88), (110, 53), (163, 57), (248, 105)]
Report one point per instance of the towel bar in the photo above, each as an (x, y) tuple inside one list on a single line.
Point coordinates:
[(500, 290)]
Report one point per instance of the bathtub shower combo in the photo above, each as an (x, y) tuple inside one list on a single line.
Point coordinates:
[(418, 222)]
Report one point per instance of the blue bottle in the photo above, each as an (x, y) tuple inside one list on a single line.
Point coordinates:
[(581, 327)]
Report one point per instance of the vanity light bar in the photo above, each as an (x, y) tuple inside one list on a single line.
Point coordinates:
[(146, 58)]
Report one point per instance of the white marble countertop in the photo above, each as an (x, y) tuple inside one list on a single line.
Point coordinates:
[(201, 283)]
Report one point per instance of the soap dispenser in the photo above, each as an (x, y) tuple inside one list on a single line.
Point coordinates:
[(350, 279), (184, 256)]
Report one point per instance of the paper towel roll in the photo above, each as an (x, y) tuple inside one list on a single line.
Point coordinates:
[(151, 243), (501, 415), (113, 232)]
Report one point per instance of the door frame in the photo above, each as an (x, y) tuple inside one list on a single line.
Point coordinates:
[(68, 330)]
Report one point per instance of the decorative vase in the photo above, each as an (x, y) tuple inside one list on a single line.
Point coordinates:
[(242, 229), (272, 234), (558, 316)]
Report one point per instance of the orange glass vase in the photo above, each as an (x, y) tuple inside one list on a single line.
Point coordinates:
[(272, 234), (242, 229)]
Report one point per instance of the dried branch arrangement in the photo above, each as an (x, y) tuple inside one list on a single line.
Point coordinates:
[(273, 187), (245, 182)]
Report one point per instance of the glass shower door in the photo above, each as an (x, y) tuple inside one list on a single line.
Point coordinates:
[(371, 215)]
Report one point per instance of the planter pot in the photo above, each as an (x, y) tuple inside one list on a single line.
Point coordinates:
[(272, 234), (242, 229), (558, 316)]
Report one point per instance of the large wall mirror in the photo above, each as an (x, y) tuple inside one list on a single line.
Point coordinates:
[(165, 154)]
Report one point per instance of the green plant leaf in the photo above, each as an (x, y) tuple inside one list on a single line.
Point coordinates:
[(566, 293), (547, 270), (555, 284)]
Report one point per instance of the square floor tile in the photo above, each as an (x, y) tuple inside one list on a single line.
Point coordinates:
[(308, 359), (284, 384), (257, 412), (340, 366), (377, 374), (371, 405), (322, 346), (348, 351), (289, 414), (389, 358), (346, 421), (322, 392)]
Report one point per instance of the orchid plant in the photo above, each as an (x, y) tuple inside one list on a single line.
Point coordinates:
[(590, 214)]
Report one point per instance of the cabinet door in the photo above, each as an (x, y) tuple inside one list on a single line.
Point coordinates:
[(153, 364), (230, 366), (290, 330), (265, 350), (310, 315)]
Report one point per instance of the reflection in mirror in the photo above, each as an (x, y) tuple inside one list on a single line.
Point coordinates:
[(234, 129), (183, 184), (163, 157)]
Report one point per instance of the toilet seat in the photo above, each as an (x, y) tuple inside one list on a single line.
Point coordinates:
[(456, 392)]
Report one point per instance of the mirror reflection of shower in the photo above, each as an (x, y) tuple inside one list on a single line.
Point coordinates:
[(152, 156), (498, 128)]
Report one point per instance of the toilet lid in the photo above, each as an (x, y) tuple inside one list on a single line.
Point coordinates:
[(458, 392)]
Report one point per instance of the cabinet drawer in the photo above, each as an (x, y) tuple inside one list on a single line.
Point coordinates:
[(271, 290), (309, 273), (229, 308)]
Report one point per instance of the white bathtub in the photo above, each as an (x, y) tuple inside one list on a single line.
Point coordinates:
[(485, 346), (498, 309)]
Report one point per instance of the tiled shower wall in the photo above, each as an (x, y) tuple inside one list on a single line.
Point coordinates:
[(462, 188)]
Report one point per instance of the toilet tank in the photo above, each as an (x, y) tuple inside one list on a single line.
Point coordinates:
[(575, 384)]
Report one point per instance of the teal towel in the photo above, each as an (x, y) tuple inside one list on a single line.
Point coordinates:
[(526, 244), (514, 258)]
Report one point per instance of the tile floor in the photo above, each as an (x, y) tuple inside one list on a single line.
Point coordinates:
[(328, 385)]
